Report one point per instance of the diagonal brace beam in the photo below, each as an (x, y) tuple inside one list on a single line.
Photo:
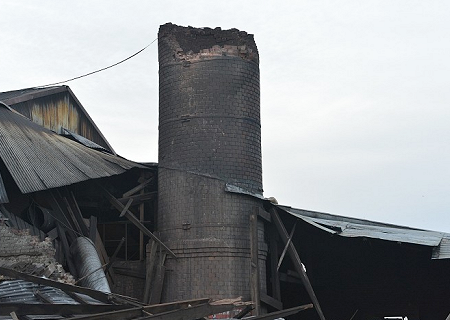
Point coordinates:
[(293, 254)]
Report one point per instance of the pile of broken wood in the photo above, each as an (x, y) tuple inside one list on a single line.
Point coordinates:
[(112, 306)]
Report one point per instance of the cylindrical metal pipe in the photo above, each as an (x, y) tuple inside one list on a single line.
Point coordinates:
[(88, 265), (41, 218), (209, 135)]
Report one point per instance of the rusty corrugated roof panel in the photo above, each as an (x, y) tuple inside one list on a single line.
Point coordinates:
[(40, 159)]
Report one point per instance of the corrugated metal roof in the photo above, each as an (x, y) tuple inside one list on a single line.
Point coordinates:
[(354, 228), (40, 159)]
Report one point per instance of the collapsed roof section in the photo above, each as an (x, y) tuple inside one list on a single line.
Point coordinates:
[(39, 159), (359, 228)]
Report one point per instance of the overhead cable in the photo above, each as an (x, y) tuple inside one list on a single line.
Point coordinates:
[(102, 69)]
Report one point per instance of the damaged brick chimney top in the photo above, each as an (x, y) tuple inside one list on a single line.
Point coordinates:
[(190, 44)]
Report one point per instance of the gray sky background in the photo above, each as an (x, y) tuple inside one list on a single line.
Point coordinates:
[(354, 94)]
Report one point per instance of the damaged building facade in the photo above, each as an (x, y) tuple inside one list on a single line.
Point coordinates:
[(86, 233)]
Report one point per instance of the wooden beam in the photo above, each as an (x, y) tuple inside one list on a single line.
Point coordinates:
[(137, 188), (114, 256), (193, 312), (140, 198), (296, 261), (114, 315), (275, 278), (14, 316), (244, 311), (286, 246), (156, 290), (271, 301), (129, 273), (283, 313), (254, 285), (66, 247), (152, 248), (130, 216), (169, 306), (92, 228), (22, 309)]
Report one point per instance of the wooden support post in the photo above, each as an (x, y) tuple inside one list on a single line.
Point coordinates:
[(92, 228), (254, 286), (152, 248), (296, 261), (156, 290), (66, 247), (275, 277)]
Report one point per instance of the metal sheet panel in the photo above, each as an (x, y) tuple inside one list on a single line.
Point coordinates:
[(39, 159), (353, 228), (443, 250)]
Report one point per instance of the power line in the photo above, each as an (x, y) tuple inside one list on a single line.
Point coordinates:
[(99, 70)]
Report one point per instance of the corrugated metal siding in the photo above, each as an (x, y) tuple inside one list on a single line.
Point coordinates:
[(39, 159)]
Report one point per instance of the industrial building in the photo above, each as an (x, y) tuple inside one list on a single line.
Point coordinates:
[(144, 239)]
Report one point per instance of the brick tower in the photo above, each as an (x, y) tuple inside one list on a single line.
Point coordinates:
[(209, 136)]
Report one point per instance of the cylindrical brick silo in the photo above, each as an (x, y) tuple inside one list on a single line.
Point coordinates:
[(209, 135)]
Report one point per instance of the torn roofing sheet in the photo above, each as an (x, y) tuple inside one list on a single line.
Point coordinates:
[(354, 228), (39, 159)]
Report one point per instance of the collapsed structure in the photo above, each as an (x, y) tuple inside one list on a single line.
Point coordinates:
[(195, 225)]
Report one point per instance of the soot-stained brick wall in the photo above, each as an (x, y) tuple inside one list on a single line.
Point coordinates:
[(209, 135)]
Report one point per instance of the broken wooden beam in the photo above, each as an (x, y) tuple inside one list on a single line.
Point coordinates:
[(296, 261), (169, 306), (139, 198), (138, 188), (286, 246), (130, 216)]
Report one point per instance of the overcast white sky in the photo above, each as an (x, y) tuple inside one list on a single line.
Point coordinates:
[(354, 94)]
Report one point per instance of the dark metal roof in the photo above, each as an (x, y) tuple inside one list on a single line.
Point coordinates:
[(40, 159), (359, 228)]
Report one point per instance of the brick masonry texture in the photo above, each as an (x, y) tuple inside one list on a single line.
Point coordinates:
[(23, 252), (209, 135)]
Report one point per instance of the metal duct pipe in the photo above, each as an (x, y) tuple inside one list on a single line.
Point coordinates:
[(41, 218), (88, 265)]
